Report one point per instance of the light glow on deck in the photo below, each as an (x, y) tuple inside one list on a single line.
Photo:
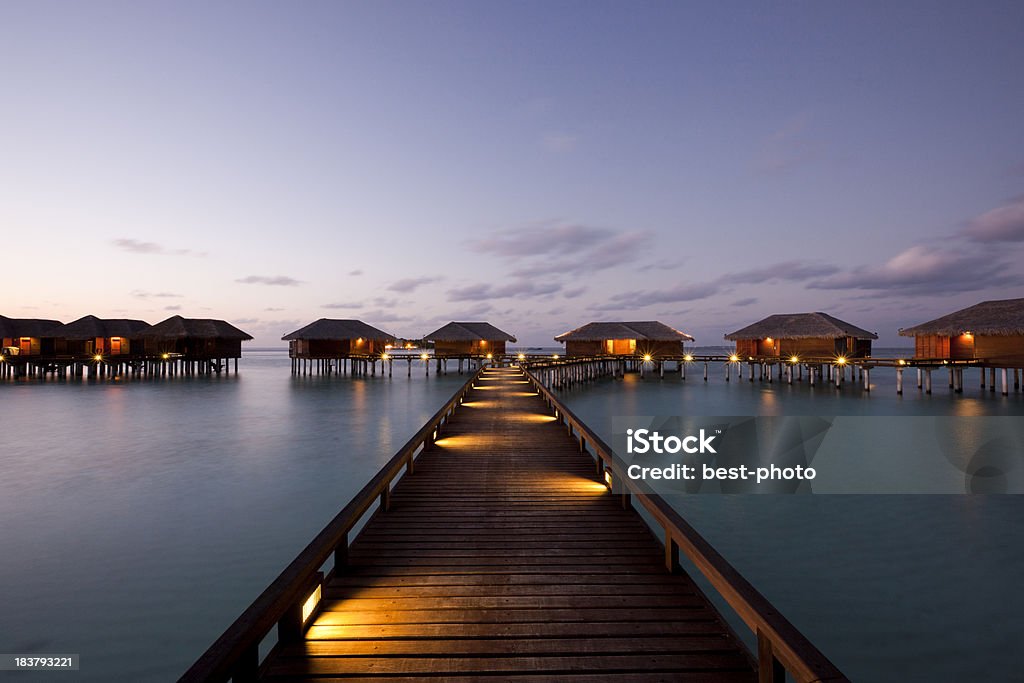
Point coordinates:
[(311, 602)]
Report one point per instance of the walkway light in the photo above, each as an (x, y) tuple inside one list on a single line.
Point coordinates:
[(384, 356), (165, 356), (902, 362), (841, 360), (489, 356), (97, 357), (647, 358), (688, 358), (311, 602), (522, 356), (555, 356), (734, 358), (794, 360), (608, 478), (424, 356)]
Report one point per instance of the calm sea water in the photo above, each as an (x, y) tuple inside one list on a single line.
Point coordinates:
[(137, 520)]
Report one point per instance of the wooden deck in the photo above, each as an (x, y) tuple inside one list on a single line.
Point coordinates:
[(505, 558)]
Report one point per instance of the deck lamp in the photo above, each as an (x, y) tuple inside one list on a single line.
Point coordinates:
[(522, 356), (794, 360), (489, 356), (608, 478), (555, 356), (312, 601), (734, 358), (384, 356), (902, 362), (688, 358), (841, 360), (166, 356), (647, 358), (424, 356), (97, 358)]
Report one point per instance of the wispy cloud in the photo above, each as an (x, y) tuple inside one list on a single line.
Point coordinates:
[(342, 304), (787, 147), (357, 271), (140, 247), (270, 308), (787, 271), (745, 302), (1002, 224), (922, 270), (143, 294), (573, 293), (411, 284), (273, 280), (381, 316), (246, 321), (682, 292), (172, 308), (518, 288)]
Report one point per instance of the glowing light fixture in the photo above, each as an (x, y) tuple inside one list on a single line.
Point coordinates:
[(522, 356), (794, 360), (555, 356), (902, 362), (608, 478), (688, 358), (166, 356), (424, 356), (384, 356), (968, 334), (311, 602), (647, 357), (734, 358), (841, 360), (97, 357), (489, 356), (768, 339)]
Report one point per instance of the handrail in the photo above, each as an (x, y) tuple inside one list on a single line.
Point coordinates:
[(235, 654), (779, 642)]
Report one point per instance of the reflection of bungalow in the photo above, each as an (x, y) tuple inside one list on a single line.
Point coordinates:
[(194, 338), (992, 331), (28, 336), (469, 338), (624, 339), (811, 335), (327, 338), (90, 335)]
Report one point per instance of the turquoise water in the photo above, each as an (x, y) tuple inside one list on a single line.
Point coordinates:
[(890, 587), (139, 519)]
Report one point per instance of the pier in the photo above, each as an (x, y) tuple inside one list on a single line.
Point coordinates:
[(494, 547)]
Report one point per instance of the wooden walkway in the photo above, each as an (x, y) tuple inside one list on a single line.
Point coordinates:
[(505, 558)]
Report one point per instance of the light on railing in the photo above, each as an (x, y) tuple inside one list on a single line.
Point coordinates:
[(688, 358), (647, 358), (490, 356), (312, 601), (794, 359), (165, 356), (555, 356), (734, 358), (97, 358), (522, 356), (608, 478), (841, 360), (902, 362), (424, 356)]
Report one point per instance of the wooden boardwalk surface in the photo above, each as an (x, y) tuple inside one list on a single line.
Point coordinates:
[(504, 558)]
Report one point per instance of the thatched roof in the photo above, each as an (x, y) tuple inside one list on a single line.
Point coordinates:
[(326, 328), (91, 327), (27, 327), (177, 327), (801, 326), (454, 331), (999, 318), (648, 330)]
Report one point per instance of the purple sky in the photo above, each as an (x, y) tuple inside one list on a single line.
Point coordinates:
[(537, 165)]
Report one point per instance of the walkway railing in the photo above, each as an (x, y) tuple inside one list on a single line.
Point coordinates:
[(780, 646), (290, 601)]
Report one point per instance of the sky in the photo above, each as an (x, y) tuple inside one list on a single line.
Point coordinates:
[(537, 165)]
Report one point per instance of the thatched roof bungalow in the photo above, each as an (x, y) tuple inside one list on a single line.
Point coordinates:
[(992, 331), (624, 339), (472, 338), (90, 335), (28, 336), (194, 338), (810, 335), (327, 338)]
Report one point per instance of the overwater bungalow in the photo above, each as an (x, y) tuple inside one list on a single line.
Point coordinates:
[(992, 331), (811, 335), (194, 338), (28, 336), (327, 338), (648, 337), (91, 336), (469, 338)]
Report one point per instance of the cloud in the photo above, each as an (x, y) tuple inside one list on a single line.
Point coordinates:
[(788, 271), (540, 240), (384, 302), (357, 271), (381, 316), (273, 280), (246, 321), (143, 294), (594, 250), (573, 293), (172, 308), (560, 142), (140, 247), (923, 269), (410, 284), (342, 305), (787, 147), (518, 288), (745, 302), (1002, 224), (680, 292), (269, 308)]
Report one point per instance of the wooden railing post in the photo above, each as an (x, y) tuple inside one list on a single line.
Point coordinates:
[(341, 554), (385, 498), (671, 554), (247, 668), (769, 669)]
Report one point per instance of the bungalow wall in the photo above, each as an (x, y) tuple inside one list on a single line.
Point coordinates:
[(806, 347), (334, 348), (931, 346), (196, 348), (1004, 350), (474, 348), (660, 348), (584, 348), (30, 346)]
